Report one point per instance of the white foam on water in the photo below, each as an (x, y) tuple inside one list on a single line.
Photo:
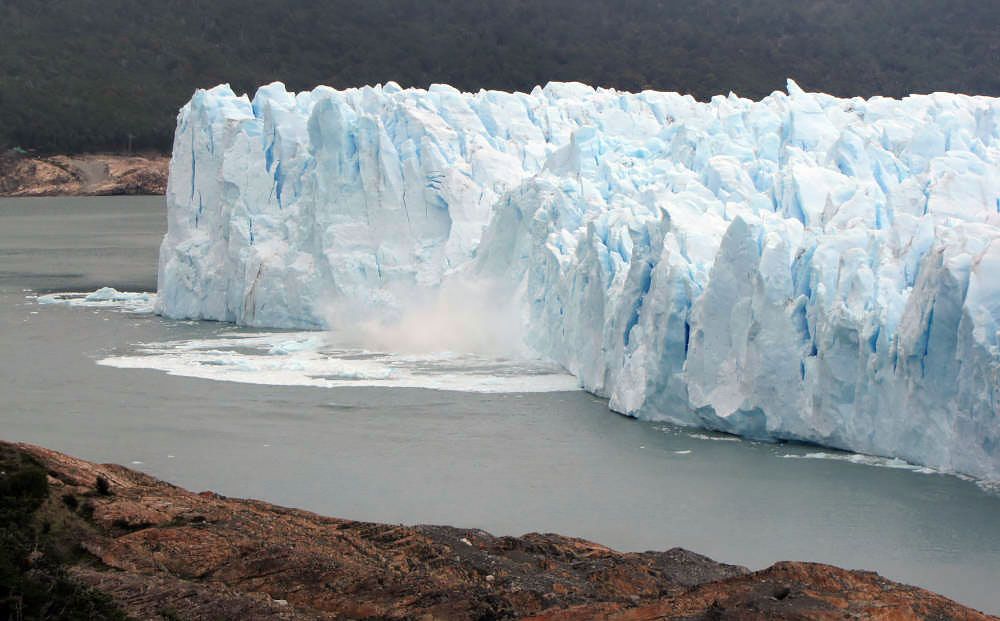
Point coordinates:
[(990, 487), (865, 460), (714, 438), (987, 485), (313, 359)]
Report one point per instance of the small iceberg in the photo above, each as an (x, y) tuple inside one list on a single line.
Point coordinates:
[(140, 303)]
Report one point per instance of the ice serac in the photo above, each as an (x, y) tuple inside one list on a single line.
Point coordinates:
[(801, 267)]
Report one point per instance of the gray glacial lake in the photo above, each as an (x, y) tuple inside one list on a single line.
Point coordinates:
[(509, 463)]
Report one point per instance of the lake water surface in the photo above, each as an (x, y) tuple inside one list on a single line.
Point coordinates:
[(505, 462)]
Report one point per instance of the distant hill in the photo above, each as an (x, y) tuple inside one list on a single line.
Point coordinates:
[(81, 75)]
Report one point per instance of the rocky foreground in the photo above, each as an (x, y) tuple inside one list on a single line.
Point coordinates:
[(82, 175), (103, 541)]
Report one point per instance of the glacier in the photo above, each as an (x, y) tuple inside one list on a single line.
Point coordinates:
[(803, 267)]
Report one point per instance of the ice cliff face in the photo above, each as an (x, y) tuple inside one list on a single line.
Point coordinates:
[(803, 267)]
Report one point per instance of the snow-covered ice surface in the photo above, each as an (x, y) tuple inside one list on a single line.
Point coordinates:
[(314, 359), (803, 267)]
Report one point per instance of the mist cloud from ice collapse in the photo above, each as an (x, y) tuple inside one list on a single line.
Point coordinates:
[(802, 267), (461, 316)]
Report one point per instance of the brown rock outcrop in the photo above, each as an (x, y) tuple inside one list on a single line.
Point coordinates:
[(163, 552), (82, 175)]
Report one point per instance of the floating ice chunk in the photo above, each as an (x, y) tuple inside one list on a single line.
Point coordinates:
[(103, 294), (106, 297), (312, 342)]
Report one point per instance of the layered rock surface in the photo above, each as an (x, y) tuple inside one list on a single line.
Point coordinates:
[(163, 552)]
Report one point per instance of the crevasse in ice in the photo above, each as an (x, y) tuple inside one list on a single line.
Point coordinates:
[(803, 267)]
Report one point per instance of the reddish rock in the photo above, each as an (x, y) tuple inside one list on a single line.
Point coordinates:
[(161, 551)]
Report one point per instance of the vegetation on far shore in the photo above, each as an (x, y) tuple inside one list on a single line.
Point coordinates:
[(87, 75)]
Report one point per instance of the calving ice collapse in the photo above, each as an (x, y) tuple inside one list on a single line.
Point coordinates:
[(801, 267)]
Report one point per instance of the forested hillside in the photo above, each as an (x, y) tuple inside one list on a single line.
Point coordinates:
[(79, 75)]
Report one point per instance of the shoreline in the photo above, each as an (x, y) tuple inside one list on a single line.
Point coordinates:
[(155, 550), (92, 174)]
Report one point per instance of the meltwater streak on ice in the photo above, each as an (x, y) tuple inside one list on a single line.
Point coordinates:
[(802, 267)]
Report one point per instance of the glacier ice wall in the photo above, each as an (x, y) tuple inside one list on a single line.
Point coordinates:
[(803, 267)]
